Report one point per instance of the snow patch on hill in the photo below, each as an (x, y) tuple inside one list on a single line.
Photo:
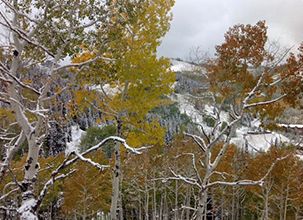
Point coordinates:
[(181, 66), (243, 137), (76, 134)]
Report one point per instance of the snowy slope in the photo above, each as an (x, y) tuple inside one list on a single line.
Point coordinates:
[(181, 66), (254, 141), (76, 140)]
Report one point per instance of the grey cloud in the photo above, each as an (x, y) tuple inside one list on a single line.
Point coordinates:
[(204, 22)]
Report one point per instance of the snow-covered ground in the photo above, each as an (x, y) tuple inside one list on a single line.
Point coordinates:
[(243, 137), (76, 140), (106, 88), (181, 66)]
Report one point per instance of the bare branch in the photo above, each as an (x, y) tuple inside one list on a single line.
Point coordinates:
[(194, 164), (264, 103), (9, 193), (178, 177), (84, 63), (23, 84), (196, 138), (222, 174), (47, 185), (238, 183), (274, 164), (17, 12), (24, 36), (185, 179), (88, 160), (15, 178)]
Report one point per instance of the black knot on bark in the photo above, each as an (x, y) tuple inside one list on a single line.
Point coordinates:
[(30, 160), (27, 166), (16, 53)]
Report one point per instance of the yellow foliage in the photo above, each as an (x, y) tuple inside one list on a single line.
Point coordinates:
[(136, 79), (6, 117), (92, 187)]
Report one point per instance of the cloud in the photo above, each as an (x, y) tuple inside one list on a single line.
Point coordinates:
[(203, 23)]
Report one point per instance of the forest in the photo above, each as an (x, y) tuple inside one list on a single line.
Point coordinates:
[(95, 125)]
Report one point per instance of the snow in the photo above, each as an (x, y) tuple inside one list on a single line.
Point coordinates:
[(28, 216), (255, 141), (108, 89), (24, 210), (291, 125), (188, 108), (300, 156), (181, 66), (76, 139), (260, 141)]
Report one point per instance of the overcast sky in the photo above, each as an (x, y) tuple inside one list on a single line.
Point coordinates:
[(202, 23)]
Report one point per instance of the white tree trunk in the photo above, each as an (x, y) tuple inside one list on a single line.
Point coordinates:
[(116, 191)]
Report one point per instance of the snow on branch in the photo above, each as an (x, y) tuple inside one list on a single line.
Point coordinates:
[(8, 209), (113, 138), (185, 179), (88, 160), (84, 63), (190, 181), (194, 164), (23, 84), (18, 12), (78, 156), (264, 103), (196, 138), (249, 182), (274, 164), (24, 36), (222, 174), (187, 207), (178, 177), (49, 183), (237, 183), (5, 80), (9, 193)]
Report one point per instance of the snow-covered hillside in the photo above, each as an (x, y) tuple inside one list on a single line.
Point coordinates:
[(76, 134), (243, 137), (181, 66)]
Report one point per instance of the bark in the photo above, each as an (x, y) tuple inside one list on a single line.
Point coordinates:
[(187, 202), (116, 191), (233, 204), (176, 201), (155, 201), (285, 203), (117, 170), (202, 205), (146, 199)]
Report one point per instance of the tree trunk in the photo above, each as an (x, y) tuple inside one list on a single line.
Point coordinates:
[(115, 196), (202, 204), (140, 207), (146, 198), (266, 204), (187, 202), (176, 201), (285, 203), (117, 170), (155, 200), (233, 204)]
